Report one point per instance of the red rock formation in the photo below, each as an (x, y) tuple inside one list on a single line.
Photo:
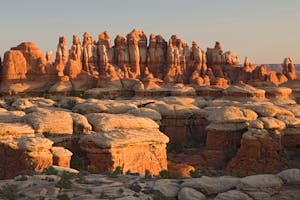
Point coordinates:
[(62, 56), (76, 56), (89, 55), (156, 55), (130, 57), (14, 66), (260, 150), (25, 155), (133, 150), (289, 69), (137, 45)]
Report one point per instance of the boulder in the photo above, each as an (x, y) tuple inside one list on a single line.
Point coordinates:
[(223, 134), (258, 186), (266, 109), (61, 156), (24, 155), (147, 113), (167, 187), (211, 185), (11, 116), (51, 122), (278, 92), (231, 114), (291, 134), (260, 150), (242, 92), (233, 195), (104, 122), (133, 150), (290, 176), (103, 106), (190, 194), (22, 104), (80, 124), (15, 130), (35, 144)]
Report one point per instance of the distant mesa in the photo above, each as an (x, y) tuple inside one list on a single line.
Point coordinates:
[(133, 62)]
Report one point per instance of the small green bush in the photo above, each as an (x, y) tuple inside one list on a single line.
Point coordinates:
[(50, 171), (135, 187), (148, 174), (65, 181), (63, 197), (165, 174), (197, 173), (118, 171)]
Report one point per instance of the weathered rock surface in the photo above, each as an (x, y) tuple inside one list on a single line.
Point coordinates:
[(80, 124), (61, 156), (260, 186), (209, 185), (11, 116), (133, 150), (290, 176), (190, 194), (167, 187), (232, 195), (15, 130), (105, 122), (53, 122), (260, 149)]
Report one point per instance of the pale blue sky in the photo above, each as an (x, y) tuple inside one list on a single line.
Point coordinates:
[(265, 30)]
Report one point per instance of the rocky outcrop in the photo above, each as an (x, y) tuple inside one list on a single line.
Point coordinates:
[(61, 156), (224, 132), (9, 131), (102, 122), (133, 150), (243, 92), (50, 122), (24, 155), (260, 149), (158, 65), (289, 69)]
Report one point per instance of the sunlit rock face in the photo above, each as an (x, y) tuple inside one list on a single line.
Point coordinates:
[(122, 140), (151, 60)]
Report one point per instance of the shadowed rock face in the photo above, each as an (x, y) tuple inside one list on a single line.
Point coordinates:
[(156, 63)]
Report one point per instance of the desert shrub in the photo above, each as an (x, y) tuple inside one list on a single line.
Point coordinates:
[(135, 187), (50, 171), (196, 173), (118, 171), (65, 181), (165, 174), (148, 174), (63, 197)]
